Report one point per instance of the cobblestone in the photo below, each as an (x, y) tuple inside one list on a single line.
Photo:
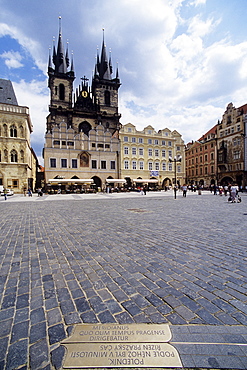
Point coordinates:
[(123, 258)]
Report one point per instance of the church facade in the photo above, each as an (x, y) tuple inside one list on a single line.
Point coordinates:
[(82, 145)]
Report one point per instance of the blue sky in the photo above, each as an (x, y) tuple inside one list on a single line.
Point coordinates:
[(180, 61)]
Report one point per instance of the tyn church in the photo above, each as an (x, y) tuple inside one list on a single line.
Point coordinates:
[(82, 144)]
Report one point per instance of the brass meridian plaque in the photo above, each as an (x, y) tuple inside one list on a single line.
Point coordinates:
[(136, 355), (120, 333), (114, 345)]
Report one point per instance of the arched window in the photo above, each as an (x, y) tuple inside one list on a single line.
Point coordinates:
[(107, 98), (61, 92), (5, 130), (85, 127), (13, 156), (13, 131)]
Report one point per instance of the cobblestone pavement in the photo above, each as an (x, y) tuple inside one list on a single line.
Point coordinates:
[(123, 258)]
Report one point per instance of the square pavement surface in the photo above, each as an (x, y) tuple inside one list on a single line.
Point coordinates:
[(123, 258)]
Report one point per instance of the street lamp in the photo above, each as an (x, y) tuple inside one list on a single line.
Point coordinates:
[(175, 160)]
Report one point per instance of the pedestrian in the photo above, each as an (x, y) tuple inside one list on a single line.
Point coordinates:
[(141, 191), (5, 193), (225, 190), (30, 192), (145, 190), (234, 192), (184, 188)]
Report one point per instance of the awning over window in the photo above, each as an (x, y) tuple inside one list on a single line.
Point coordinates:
[(70, 181), (149, 181), (115, 180)]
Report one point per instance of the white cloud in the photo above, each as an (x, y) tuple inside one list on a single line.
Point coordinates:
[(29, 44), (35, 96), (12, 59)]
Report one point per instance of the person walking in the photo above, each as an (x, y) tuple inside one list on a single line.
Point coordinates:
[(184, 188), (5, 193)]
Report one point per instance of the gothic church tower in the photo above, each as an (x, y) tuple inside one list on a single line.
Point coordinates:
[(82, 129)]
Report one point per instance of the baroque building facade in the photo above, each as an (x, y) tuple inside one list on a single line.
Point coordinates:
[(220, 156), (145, 156), (231, 156), (18, 161), (201, 160), (82, 131)]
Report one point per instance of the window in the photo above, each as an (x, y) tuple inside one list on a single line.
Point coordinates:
[(156, 152), (141, 165), (93, 145), (107, 146), (140, 151), (113, 165), (157, 166), (212, 156), (212, 169), (13, 156), (178, 148), (13, 131), (150, 166), (56, 142), (107, 98), (163, 153), (94, 163), (150, 152), (64, 163), (126, 150), (163, 142), (133, 165), (140, 140), (74, 163), (170, 153), (169, 143), (61, 92), (126, 165), (149, 141), (103, 165), (15, 183), (156, 142), (129, 129), (133, 151), (100, 146), (149, 132), (206, 157), (232, 130), (236, 154), (200, 159), (170, 166), (163, 166), (126, 139), (70, 143), (53, 162), (63, 142), (133, 140), (179, 168), (206, 170), (238, 127)]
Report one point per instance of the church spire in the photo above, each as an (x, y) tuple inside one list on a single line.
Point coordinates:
[(60, 59), (103, 65)]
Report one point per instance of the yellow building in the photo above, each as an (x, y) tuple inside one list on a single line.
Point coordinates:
[(17, 159), (145, 156)]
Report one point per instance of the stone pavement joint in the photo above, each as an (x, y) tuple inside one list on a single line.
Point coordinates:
[(123, 258)]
